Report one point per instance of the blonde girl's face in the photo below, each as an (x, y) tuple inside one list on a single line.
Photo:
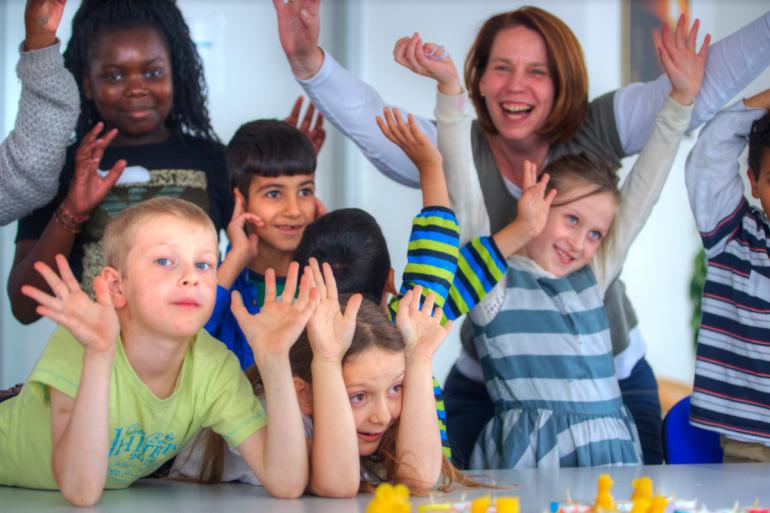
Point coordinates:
[(575, 229), (374, 382)]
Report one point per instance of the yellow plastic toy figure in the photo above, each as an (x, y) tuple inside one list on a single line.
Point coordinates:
[(390, 499), (507, 505), (641, 505), (659, 504), (481, 504), (642, 488), (604, 499)]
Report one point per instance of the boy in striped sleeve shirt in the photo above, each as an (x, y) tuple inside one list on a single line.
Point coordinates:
[(732, 373)]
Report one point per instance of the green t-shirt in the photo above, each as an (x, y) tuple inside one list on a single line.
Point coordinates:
[(145, 431)]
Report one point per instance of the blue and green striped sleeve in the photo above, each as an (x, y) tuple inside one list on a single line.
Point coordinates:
[(480, 266)]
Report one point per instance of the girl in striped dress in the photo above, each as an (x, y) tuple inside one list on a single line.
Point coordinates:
[(542, 333)]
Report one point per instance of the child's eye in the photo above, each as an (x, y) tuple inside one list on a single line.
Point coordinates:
[(396, 389), (272, 194), (306, 192), (162, 261), (595, 234), (572, 219), (111, 77), (203, 266), (357, 398), (155, 73)]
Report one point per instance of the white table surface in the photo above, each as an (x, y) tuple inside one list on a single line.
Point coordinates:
[(718, 486)]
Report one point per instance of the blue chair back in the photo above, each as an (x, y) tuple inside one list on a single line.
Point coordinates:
[(684, 443)]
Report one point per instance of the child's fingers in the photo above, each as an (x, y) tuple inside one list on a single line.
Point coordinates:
[(238, 207), (295, 110), (65, 271), (665, 60), (93, 134), (679, 33), (270, 294), (290, 287), (414, 305), (351, 309), (704, 49), (550, 197), (308, 119), (58, 287), (414, 130), (385, 129), (315, 269), (393, 126), (114, 174), (692, 36), (40, 297), (304, 291), (427, 306), (331, 283), (236, 305)]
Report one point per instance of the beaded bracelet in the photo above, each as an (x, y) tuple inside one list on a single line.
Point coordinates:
[(68, 220)]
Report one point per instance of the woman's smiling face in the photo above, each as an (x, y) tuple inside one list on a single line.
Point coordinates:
[(517, 85)]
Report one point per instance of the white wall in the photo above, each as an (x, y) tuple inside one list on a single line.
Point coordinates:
[(248, 78)]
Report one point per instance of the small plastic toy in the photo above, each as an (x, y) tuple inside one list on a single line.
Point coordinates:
[(604, 499), (390, 499)]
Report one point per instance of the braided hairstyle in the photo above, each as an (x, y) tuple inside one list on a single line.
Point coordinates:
[(93, 18)]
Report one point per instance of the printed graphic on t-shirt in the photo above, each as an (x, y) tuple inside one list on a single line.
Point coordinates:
[(134, 453), (187, 184)]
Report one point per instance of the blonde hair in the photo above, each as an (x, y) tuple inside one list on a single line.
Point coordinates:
[(120, 234), (565, 64)]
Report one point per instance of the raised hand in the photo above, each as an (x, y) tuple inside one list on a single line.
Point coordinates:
[(534, 203), (408, 136), (41, 21), (88, 188), (94, 324), (276, 327), (430, 60), (420, 328), (243, 241), (680, 59), (329, 330), (313, 130), (299, 24)]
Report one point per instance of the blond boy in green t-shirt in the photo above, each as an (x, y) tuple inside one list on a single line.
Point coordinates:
[(129, 379)]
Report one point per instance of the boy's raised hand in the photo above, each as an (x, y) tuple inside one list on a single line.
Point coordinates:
[(244, 243), (88, 188), (330, 331), (534, 203), (681, 60), (429, 60), (420, 327), (408, 136), (41, 21), (94, 324), (276, 327), (313, 130)]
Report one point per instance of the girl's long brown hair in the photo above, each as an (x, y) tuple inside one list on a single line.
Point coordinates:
[(372, 330)]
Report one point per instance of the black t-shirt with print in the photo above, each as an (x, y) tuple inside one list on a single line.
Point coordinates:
[(180, 167)]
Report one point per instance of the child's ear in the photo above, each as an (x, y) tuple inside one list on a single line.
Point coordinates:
[(115, 286), (304, 395), (390, 287), (753, 182)]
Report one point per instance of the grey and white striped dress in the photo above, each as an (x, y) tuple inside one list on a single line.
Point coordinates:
[(547, 362)]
